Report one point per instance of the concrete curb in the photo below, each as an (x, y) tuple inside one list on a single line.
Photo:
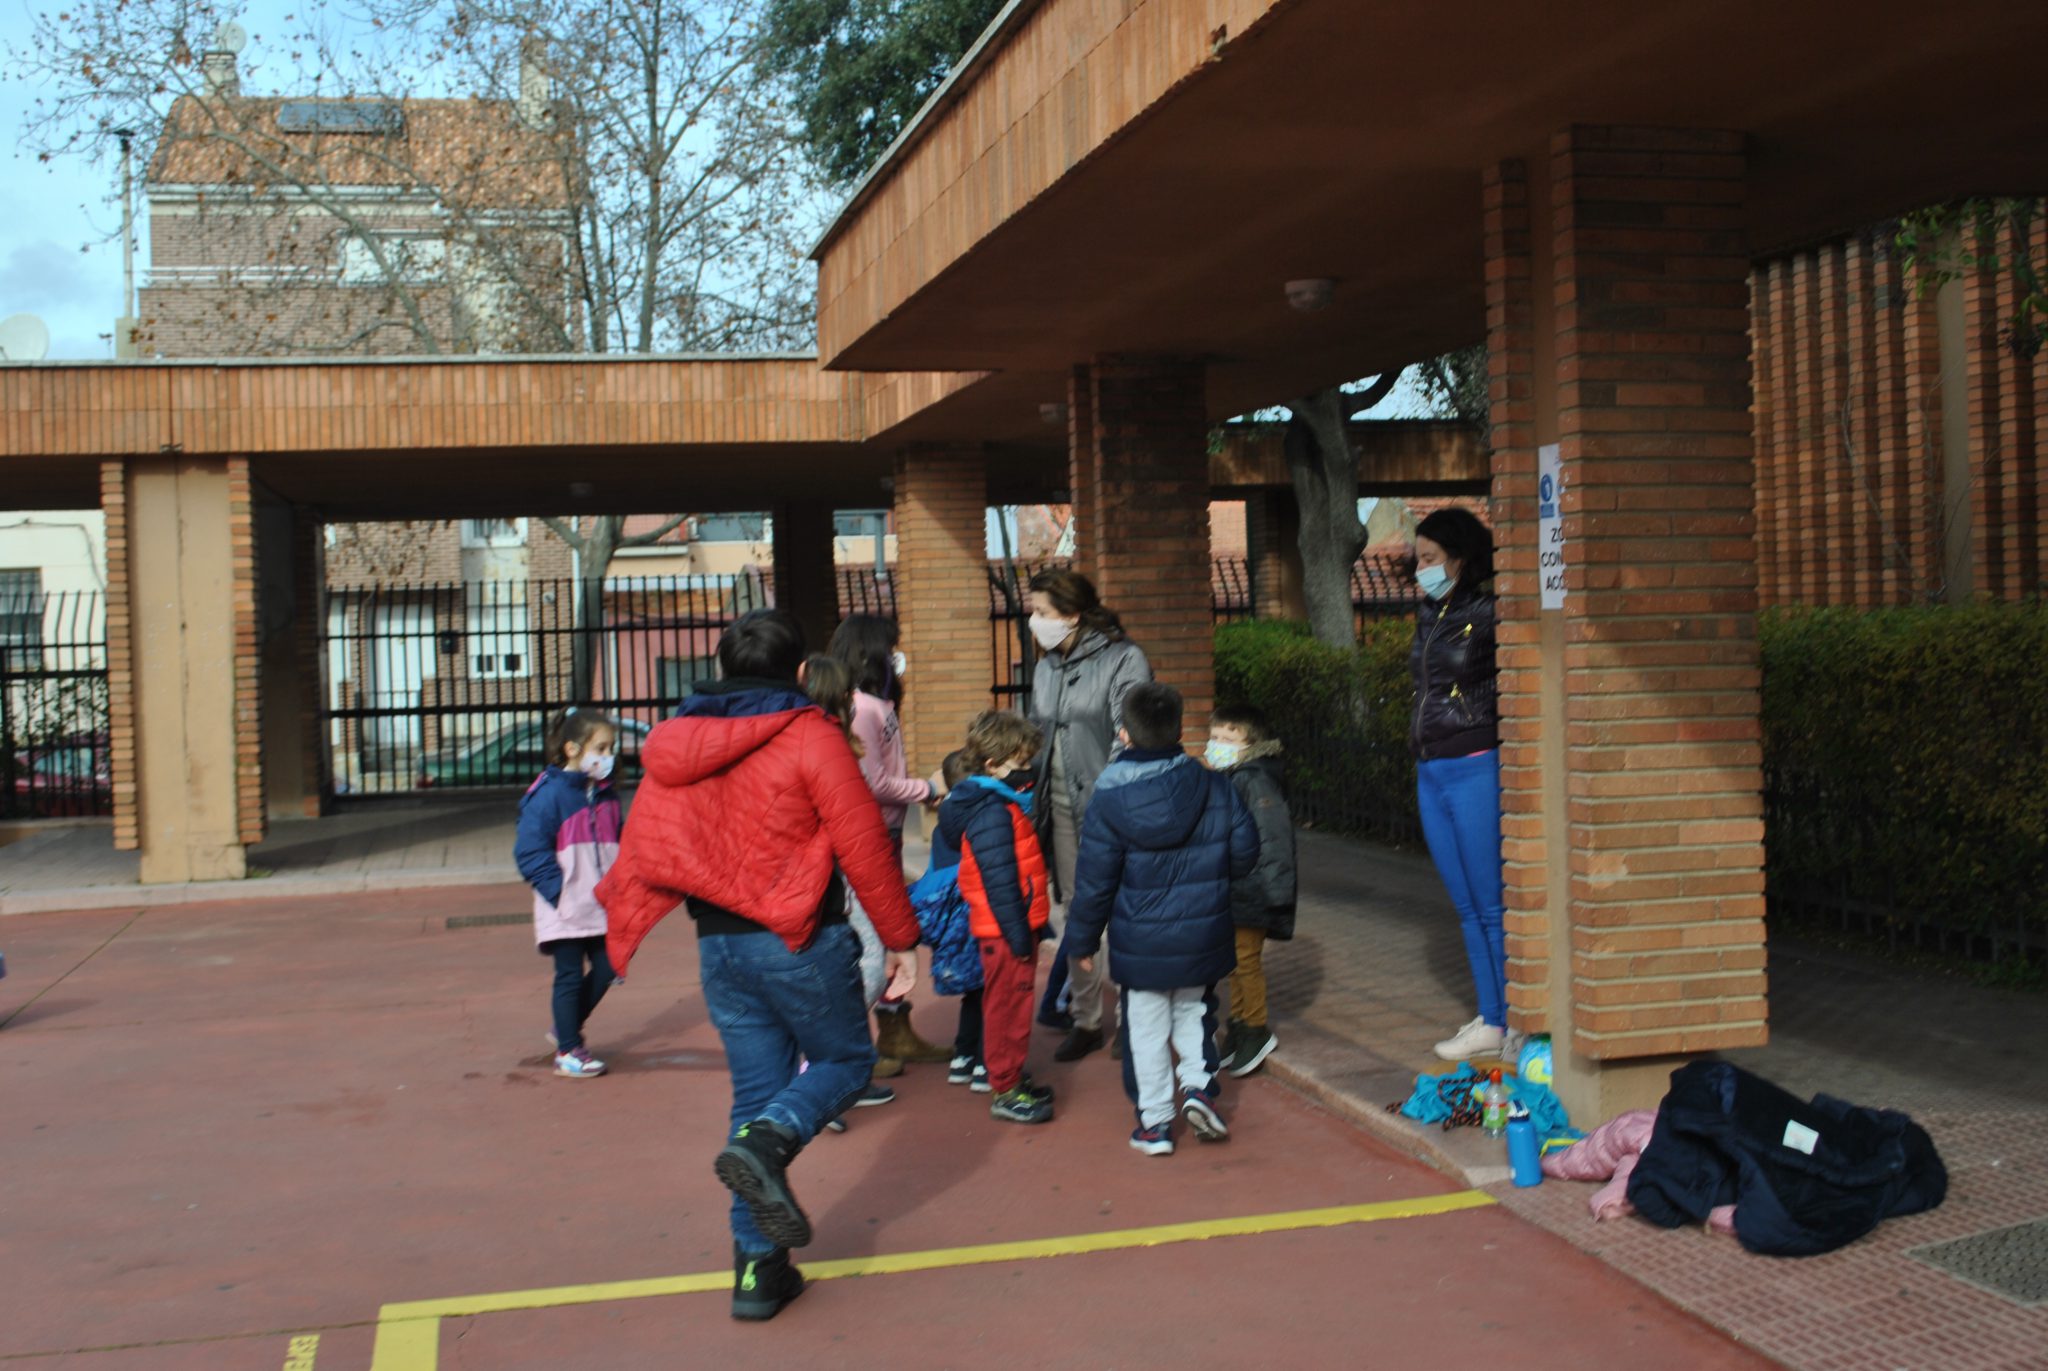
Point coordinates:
[(1356, 1087), (95, 897)]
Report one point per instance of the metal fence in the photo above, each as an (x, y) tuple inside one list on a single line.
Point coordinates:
[(55, 758), (452, 685)]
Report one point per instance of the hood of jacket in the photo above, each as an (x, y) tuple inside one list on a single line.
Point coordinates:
[(965, 801), (1165, 814), (721, 723), (559, 784)]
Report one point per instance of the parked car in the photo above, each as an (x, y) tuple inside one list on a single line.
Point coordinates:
[(512, 756), (64, 778)]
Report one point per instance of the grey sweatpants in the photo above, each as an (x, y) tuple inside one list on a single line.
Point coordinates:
[(1084, 988), (1170, 1036)]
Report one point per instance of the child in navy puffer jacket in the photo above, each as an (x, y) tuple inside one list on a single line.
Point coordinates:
[(568, 838), (1162, 841)]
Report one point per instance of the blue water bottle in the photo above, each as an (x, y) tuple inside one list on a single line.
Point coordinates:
[(1525, 1163)]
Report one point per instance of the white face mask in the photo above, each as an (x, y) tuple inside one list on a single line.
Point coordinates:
[(1434, 580), (1221, 755), (1050, 632), (899, 664), (596, 765)]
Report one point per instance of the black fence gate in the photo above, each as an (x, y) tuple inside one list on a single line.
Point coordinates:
[(55, 758)]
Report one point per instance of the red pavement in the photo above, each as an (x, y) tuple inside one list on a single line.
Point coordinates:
[(226, 1123)]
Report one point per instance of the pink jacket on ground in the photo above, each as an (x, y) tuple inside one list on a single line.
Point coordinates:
[(1610, 1153), (883, 762)]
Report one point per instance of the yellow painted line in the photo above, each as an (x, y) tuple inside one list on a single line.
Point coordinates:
[(408, 1333), (299, 1354)]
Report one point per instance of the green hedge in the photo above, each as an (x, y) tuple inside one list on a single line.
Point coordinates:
[(1906, 755), (1907, 760), (1342, 716)]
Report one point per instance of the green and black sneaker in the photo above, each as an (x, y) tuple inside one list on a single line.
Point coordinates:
[(754, 1166), (761, 1286), (1021, 1105), (1233, 1039)]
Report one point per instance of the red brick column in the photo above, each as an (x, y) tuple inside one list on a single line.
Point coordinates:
[(249, 810), (120, 657), (1631, 754), (806, 581), (942, 596), (1084, 473), (1272, 526), (1152, 561)]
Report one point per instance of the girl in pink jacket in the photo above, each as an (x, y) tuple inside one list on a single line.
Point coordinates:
[(568, 838)]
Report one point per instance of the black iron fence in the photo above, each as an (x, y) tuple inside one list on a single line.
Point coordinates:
[(440, 686), (55, 759)]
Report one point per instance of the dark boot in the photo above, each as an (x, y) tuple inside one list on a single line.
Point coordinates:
[(894, 1037), (754, 1166), (1077, 1045), (761, 1286)]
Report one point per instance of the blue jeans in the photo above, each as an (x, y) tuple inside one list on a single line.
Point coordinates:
[(577, 990), (1460, 801), (773, 1006)]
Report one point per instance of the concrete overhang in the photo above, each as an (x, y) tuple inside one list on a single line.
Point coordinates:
[(1143, 177)]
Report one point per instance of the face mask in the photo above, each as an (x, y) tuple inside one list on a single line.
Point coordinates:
[(596, 765), (1050, 632), (1221, 755), (1022, 779), (1434, 580), (899, 664)]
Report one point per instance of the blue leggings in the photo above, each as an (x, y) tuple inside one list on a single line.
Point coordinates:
[(1460, 801)]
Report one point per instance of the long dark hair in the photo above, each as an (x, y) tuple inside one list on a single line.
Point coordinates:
[(1464, 540), (1073, 594), (865, 643)]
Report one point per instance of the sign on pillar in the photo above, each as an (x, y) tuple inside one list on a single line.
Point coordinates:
[(1550, 524)]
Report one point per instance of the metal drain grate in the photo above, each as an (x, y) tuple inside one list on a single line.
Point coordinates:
[(486, 920), (2012, 1262)]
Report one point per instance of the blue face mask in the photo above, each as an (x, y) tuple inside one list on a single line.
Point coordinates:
[(1434, 580), (1222, 756)]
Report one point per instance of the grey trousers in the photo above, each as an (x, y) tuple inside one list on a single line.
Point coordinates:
[(1085, 989), (1169, 1042)]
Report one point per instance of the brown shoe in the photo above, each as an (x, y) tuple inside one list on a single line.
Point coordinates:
[(894, 1037), (885, 1067), (1077, 1045)]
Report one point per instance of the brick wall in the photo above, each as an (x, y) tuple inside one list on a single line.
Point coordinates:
[(1854, 486), (1152, 561), (120, 657), (941, 501), (248, 666), (1661, 669), (1511, 387), (1083, 480)]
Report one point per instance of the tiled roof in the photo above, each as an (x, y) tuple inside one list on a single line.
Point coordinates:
[(472, 153)]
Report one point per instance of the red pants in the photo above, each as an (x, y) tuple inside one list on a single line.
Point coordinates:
[(1008, 983)]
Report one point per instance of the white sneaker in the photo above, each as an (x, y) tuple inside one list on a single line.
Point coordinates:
[(578, 1065), (1476, 1039), (1511, 1047)]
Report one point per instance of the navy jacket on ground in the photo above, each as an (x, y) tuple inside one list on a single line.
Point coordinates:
[(1724, 1136), (1162, 840)]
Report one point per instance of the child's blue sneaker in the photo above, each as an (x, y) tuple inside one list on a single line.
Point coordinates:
[(872, 1095), (578, 1065), (960, 1071), (1198, 1107), (1156, 1141)]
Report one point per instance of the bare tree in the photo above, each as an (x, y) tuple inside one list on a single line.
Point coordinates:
[(1324, 469), (596, 540)]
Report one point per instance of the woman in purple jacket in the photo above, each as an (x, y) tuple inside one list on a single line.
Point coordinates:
[(568, 838)]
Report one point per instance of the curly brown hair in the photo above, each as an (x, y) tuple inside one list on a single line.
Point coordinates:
[(996, 735)]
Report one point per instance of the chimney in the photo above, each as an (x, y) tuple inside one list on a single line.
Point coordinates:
[(536, 90), (218, 70)]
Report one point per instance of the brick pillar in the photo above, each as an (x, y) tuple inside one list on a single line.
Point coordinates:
[(186, 571), (1272, 527), (942, 596), (289, 646), (806, 581), (120, 657), (1631, 754), (1152, 560), (1084, 474)]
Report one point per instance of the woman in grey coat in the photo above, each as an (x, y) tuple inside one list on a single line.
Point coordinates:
[(1087, 668)]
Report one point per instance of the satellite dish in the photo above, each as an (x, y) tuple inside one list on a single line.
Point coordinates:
[(24, 338), (230, 37)]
